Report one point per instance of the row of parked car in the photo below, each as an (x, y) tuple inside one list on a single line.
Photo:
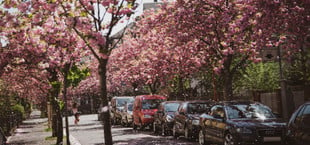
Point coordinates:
[(227, 122)]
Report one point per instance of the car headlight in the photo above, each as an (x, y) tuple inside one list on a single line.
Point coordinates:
[(244, 130), (195, 122), (148, 116), (169, 118)]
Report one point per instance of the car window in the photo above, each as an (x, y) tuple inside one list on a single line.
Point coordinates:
[(254, 110), (171, 107), (306, 116), (218, 111), (123, 101), (151, 103), (306, 110), (198, 108), (129, 107), (299, 116)]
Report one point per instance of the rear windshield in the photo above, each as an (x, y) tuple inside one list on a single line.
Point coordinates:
[(198, 108), (242, 111), (151, 103), (122, 101), (171, 107)]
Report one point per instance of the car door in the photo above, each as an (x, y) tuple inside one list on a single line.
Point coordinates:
[(179, 118), (216, 128), (303, 131)]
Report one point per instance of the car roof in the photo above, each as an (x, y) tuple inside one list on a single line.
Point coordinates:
[(151, 96), (167, 102), (235, 102), (199, 101)]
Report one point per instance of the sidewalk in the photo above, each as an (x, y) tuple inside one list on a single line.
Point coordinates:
[(32, 132)]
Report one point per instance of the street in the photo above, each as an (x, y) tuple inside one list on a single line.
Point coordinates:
[(89, 131)]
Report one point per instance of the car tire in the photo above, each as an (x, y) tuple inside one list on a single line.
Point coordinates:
[(174, 132), (187, 133), (201, 138), (229, 139)]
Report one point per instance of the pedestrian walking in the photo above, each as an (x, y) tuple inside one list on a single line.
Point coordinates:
[(76, 113)]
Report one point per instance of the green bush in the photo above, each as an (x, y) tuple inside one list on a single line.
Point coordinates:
[(19, 111)]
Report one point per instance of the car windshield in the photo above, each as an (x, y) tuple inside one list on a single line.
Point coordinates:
[(129, 107), (151, 103), (194, 108), (246, 111), (122, 101), (171, 107)]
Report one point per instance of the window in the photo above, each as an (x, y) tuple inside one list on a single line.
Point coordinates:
[(171, 107), (306, 117), (218, 111), (238, 111), (151, 103)]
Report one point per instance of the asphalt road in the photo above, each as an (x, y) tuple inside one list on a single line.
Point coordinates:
[(89, 131)]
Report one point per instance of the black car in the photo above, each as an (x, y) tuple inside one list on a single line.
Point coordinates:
[(186, 120), (241, 122), (164, 117), (298, 132)]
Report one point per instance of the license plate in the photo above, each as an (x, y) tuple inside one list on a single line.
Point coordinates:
[(272, 139)]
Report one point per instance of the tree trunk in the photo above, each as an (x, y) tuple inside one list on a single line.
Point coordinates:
[(59, 126), (228, 77), (228, 90), (105, 102), (56, 117)]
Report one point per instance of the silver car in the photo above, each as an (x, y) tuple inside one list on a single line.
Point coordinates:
[(127, 114)]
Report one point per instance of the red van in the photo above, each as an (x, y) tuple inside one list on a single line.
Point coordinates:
[(144, 109)]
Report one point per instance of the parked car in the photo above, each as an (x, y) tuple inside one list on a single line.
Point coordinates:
[(241, 122), (117, 104), (127, 114), (164, 117), (144, 108), (298, 132), (186, 120)]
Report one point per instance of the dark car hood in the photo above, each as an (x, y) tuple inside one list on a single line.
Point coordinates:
[(258, 123)]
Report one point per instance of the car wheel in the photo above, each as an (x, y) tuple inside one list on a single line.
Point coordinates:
[(174, 131), (163, 130), (187, 133), (201, 138), (229, 139)]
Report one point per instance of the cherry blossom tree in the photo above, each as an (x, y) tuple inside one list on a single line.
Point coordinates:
[(229, 34)]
